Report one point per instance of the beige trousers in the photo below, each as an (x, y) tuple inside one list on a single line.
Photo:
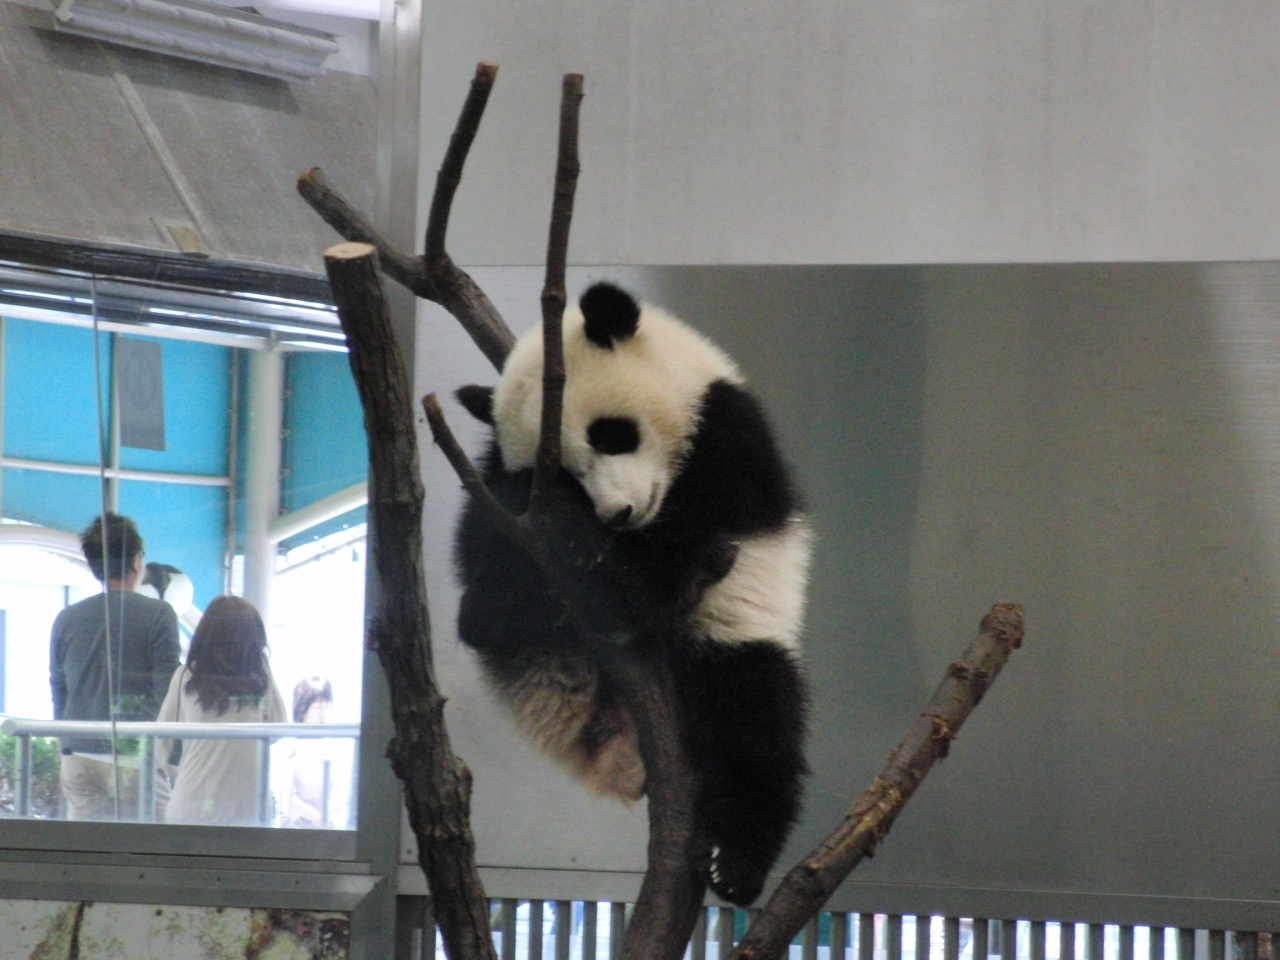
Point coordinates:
[(89, 787)]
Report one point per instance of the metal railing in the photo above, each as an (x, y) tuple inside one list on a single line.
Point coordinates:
[(148, 732), (577, 930)]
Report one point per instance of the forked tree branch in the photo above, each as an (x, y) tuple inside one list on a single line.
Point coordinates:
[(437, 783), (807, 887), (433, 277)]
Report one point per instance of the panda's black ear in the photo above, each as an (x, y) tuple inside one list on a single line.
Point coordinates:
[(611, 314), (478, 401)]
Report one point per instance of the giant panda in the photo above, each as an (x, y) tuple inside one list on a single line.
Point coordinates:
[(681, 520)]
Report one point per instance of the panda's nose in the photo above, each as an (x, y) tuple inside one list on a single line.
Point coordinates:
[(619, 519)]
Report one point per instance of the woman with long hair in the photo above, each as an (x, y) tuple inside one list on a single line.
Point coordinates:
[(226, 679)]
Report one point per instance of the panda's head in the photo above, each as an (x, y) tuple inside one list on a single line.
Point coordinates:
[(635, 377)]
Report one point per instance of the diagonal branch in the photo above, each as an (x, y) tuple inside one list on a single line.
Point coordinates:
[(806, 888), (434, 277)]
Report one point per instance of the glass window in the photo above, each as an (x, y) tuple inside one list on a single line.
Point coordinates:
[(218, 679)]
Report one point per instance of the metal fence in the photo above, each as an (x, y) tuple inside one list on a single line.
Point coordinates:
[(577, 930), (147, 733)]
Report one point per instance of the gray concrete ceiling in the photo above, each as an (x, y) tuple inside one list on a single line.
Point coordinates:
[(107, 144)]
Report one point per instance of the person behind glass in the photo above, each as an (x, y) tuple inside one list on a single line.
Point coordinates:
[(125, 679), (226, 679), (305, 802)]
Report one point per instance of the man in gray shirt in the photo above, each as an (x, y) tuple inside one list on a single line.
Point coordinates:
[(130, 684)]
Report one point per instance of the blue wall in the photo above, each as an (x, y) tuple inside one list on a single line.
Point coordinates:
[(50, 414), (325, 448)]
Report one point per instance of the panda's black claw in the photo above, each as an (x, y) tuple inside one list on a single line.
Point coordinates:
[(733, 877)]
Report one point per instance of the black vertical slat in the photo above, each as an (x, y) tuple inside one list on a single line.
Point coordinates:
[(893, 936), (950, 938), (1067, 941), (1217, 945), (1186, 943), (698, 945), (1097, 942), (1155, 943), (564, 926), (590, 916), (1008, 940), (509, 929), (724, 930), (535, 930), (866, 936), (981, 938), (1125, 951), (1246, 946), (1037, 940), (809, 939), (839, 935), (923, 924), (617, 929)]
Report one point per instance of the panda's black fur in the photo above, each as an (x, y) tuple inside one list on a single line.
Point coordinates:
[(675, 583)]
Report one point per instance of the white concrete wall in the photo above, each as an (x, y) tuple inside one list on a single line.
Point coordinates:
[(815, 131)]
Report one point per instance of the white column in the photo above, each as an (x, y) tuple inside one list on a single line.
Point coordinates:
[(262, 474)]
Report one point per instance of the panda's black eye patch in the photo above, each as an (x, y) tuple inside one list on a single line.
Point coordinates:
[(614, 435)]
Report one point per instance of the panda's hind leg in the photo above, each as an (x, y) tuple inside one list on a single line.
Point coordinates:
[(746, 706)]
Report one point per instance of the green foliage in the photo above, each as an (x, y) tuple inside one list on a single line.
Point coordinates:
[(46, 794)]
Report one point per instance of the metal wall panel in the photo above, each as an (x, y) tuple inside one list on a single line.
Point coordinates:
[(1099, 443), (913, 131)]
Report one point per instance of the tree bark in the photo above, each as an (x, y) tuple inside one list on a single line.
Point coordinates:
[(438, 783), (807, 887)]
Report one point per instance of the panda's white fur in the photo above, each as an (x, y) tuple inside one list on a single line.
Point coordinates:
[(661, 373), (764, 593)]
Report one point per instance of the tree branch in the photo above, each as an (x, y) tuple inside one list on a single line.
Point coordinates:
[(450, 174), (434, 277), (547, 466), (807, 887), (437, 783)]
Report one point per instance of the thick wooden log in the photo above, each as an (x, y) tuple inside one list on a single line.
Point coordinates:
[(437, 783)]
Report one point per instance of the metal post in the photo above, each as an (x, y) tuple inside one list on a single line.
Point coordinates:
[(1097, 941), (22, 776), (981, 938), (1067, 948), (724, 932), (262, 475), (264, 782), (923, 932), (509, 908), (809, 940), (618, 929), (590, 914), (564, 926), (1008, 940), (866, 936), (535, 930), (839, 935), (147, 779), (325, 783)]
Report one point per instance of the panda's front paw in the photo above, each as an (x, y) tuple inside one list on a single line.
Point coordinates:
[(734, 877)]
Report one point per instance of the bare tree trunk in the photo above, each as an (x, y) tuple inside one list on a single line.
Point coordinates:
[(437, 784)]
